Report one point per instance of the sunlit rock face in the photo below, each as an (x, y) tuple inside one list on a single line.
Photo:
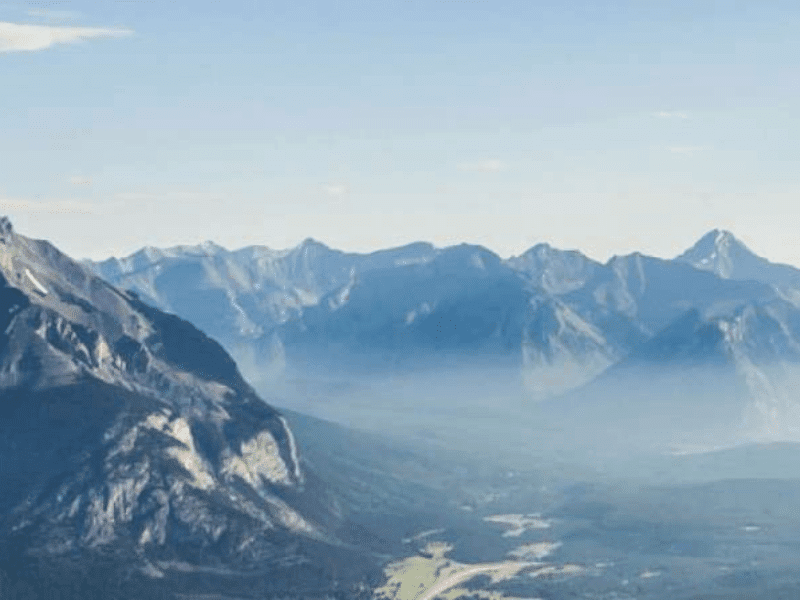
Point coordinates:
[(124, 429)]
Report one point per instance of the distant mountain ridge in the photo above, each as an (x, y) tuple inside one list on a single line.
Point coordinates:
[(316, 305), (245, 293)]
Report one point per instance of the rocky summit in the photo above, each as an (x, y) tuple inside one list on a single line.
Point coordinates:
[(135, 457)]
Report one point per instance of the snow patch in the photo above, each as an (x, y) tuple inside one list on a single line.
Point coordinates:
[(649, 574), (404, 262), (478, 262), (536, 551), (36, 283), (292, 450), (518, 524)]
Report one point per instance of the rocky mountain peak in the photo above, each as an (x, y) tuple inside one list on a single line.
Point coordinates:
[(311, 244), (720, 252), (123, 424)]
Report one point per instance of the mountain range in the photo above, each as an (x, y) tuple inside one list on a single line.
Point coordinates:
[(138, 461), (556, 320)]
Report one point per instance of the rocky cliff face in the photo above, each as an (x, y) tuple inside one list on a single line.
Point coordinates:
[(125, 430)]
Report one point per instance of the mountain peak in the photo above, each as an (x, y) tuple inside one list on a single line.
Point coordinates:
[(5, 225), (158, 446), (311, 242), (206, 248), (211, 246), (720, 238), (723, 235), (717, 238), (720, 252)]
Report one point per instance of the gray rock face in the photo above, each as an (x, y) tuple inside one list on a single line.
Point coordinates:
[(126, 430)]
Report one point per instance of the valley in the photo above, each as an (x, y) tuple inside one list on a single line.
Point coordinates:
[(405, 300), (374, 452)]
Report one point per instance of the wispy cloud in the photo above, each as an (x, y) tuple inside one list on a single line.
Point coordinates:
[(51, 207), (54, 15), (671, 114), (335, 189), (180, 196), (80, 180), (22, 37), (492, 165)]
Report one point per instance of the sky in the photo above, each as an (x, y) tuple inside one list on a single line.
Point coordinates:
[(604, 125)]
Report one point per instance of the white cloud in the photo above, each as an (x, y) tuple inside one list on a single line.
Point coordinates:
[(20, 37), (79, 180), (484, 166), (671, 114), (336, 189)]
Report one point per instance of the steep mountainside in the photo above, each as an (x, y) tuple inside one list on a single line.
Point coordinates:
[(462, 300), (708, 380), (129, 439), (633, 297)]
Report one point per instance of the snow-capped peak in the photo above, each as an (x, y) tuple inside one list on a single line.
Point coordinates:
[(720, 252)]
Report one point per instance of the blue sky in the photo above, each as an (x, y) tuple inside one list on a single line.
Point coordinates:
[(607, 126)]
